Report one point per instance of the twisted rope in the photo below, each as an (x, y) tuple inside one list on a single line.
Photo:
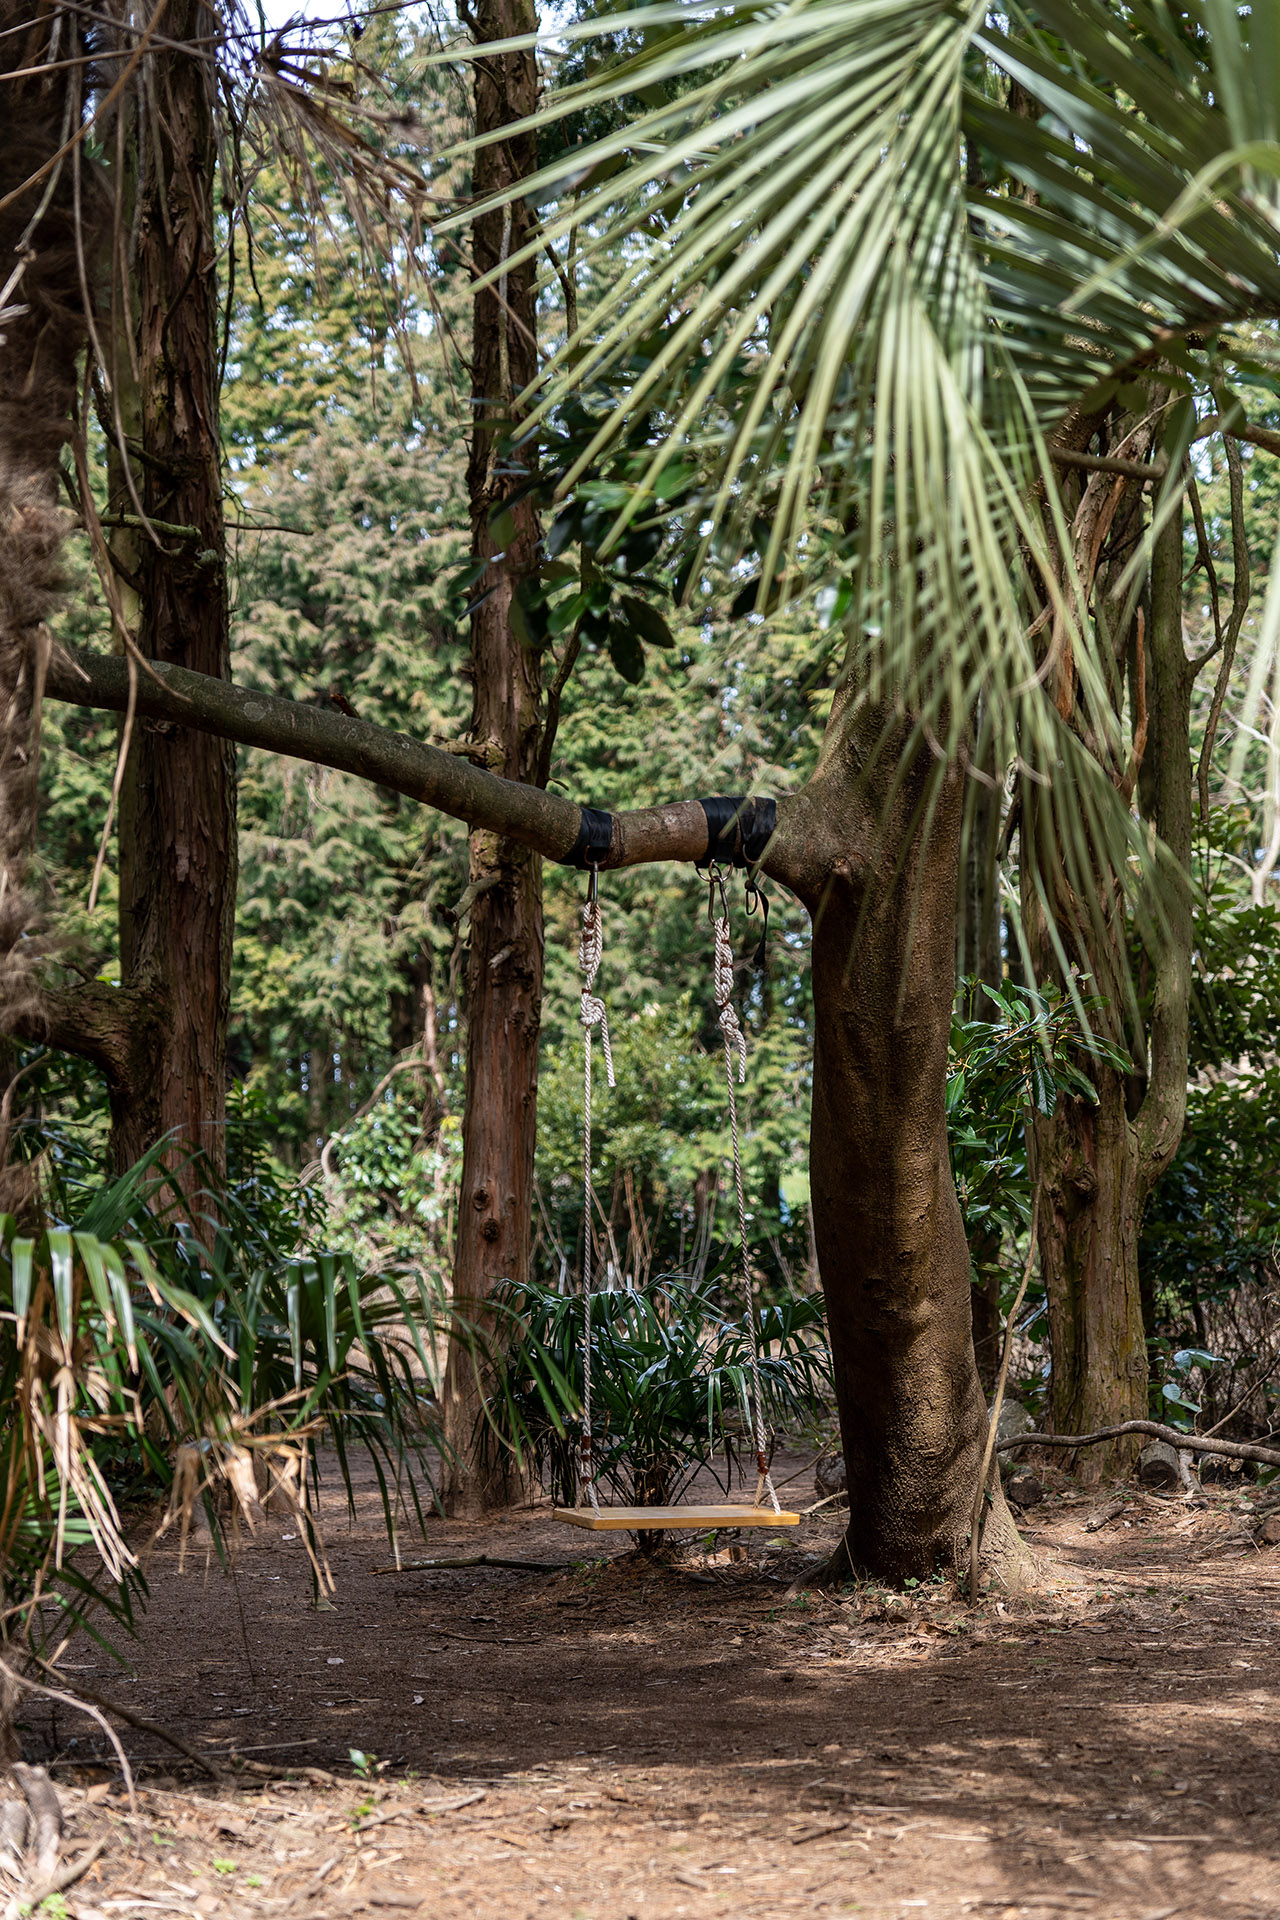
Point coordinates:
[(590, 953), (731, 1029)]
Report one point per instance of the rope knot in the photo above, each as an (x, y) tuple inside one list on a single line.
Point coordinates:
[(726, 1012), (590, 953)]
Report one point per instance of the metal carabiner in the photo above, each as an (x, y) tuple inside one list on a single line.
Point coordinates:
[(593, 885), (715, 878)]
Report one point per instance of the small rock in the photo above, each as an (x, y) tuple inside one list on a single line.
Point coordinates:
[(1269, 1531), (829, 1476), (1014, 1420), (1023, 1489)]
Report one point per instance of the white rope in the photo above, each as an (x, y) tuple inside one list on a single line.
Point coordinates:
[(590, 952), (731, 1028)]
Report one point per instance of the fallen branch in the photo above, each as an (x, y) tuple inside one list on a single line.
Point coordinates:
[(1184, 1442), (481, 1560)]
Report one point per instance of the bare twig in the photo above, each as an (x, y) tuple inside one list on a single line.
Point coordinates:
[(81, 1706), (481, 1560), (568, 660), (1205, 556), (323, 1164), (1261, 1381), (826, 1502)]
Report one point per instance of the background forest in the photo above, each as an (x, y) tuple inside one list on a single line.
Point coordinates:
[(349, 333)]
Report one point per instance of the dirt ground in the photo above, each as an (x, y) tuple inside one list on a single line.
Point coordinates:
[(616, 1740)]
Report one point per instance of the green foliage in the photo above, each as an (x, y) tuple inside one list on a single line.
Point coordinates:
[(1173, 1391), (1031, 1055), (142, 1351), (90, 1333), (392, 1196), (1208, 1248), (661, 1147), (670, 1379)]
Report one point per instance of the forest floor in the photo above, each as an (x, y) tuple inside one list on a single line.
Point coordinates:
[(619, 1740)]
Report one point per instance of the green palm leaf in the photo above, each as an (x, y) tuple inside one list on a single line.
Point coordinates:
[(868, 346)]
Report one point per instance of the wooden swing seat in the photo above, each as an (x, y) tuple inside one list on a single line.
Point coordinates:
[(661, 1519)]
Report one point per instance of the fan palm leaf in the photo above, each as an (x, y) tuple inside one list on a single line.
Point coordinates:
[(873, 254)]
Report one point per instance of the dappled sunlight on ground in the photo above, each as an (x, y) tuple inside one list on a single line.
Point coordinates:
[(628, 1739)]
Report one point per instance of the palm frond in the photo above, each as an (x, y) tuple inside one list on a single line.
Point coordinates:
[(867, 344)]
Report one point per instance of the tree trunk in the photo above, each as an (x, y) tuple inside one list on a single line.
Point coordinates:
[(1097, 1164), (891, 1245), (45, 329), (177, 833), (504, 963), (1087, 1165)]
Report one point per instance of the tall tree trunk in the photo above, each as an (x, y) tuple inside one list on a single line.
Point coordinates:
[(1097, 1163), (159, 1039), (891, 1245), (177, 829), (44, 333), (504, 965)]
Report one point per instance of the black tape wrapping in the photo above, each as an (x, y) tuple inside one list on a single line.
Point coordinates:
[(595, 836), (738, 829)]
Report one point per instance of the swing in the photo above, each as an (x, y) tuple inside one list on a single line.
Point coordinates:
[(588, 1513)]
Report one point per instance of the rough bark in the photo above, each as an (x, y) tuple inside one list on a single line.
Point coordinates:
[(44, 332), (891, 1245), (176, 834), (504, 960)]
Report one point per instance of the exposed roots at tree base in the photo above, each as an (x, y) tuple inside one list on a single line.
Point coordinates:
[(1007, 1565)]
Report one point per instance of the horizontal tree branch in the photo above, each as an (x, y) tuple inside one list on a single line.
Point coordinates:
[(544, 821), (95, 1021), (1268, 438), (1109, 463), (1185, 1442)]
